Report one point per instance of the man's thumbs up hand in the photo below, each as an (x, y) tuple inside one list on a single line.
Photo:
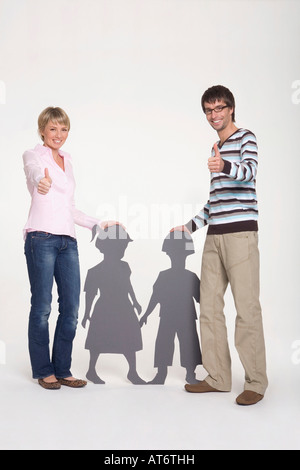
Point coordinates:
[(216, 163), (45, 183), (216, 149)]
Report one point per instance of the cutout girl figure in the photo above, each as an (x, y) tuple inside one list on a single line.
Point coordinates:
[(114, 327), (176, 290)]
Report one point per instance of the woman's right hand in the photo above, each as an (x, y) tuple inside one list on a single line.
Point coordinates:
[(45, 183), (109, 223)]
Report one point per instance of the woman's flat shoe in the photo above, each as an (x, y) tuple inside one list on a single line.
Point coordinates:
[(49, 385), (76, 383)]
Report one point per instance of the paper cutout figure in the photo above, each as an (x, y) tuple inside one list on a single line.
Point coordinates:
[(176, 290), (114, 327)]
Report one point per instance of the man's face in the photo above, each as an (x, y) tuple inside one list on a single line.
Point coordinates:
[(218, 114)]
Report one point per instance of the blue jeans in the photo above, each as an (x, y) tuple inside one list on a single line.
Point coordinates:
[(52, 257)]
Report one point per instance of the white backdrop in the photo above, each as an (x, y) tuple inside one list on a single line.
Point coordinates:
[(130, 74)]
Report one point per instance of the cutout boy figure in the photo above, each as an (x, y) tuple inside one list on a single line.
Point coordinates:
[(114, 327), (176, 290)]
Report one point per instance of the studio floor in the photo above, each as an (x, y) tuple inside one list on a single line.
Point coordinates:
[(122, 416)]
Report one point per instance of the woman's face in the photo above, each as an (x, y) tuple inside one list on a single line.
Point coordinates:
[(55, 135)]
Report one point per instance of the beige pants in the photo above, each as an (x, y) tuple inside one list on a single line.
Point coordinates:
[(232, 258)]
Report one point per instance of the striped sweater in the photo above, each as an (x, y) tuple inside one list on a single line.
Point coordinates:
[(232, 205)]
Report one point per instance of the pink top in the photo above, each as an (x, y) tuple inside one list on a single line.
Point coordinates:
[(54, 212)]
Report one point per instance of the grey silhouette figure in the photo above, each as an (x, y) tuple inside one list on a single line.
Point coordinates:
[(114, 327), (176, 290)]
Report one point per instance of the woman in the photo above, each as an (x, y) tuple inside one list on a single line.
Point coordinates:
[(51, 250)]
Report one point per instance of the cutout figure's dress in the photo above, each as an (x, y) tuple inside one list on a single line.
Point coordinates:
[(114, 326)]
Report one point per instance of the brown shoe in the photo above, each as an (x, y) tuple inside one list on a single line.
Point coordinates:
[(49, 385), (75, 383), (248, 397), (200, 387)]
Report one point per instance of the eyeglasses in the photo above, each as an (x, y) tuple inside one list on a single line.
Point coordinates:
[(217, 110)]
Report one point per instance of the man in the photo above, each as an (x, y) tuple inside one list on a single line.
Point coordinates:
[(230, 255)]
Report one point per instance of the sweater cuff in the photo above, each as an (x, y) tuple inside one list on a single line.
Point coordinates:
[(227, 167), (191, 226)]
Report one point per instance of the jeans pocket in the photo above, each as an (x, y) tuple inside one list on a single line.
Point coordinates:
[(41, 235)]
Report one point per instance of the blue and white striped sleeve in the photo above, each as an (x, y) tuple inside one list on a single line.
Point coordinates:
[(200, 220), (246, 169)]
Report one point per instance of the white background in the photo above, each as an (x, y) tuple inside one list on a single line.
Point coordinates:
[(130, 74)]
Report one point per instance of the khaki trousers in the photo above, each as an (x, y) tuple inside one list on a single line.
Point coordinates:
[(232, 258)]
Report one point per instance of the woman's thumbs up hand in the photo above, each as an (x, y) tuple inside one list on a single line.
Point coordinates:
[(45, 183)]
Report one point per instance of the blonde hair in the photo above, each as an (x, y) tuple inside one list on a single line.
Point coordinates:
[(55, 115)]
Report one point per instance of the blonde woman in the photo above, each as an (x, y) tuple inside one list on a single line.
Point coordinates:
[(51, 250)]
